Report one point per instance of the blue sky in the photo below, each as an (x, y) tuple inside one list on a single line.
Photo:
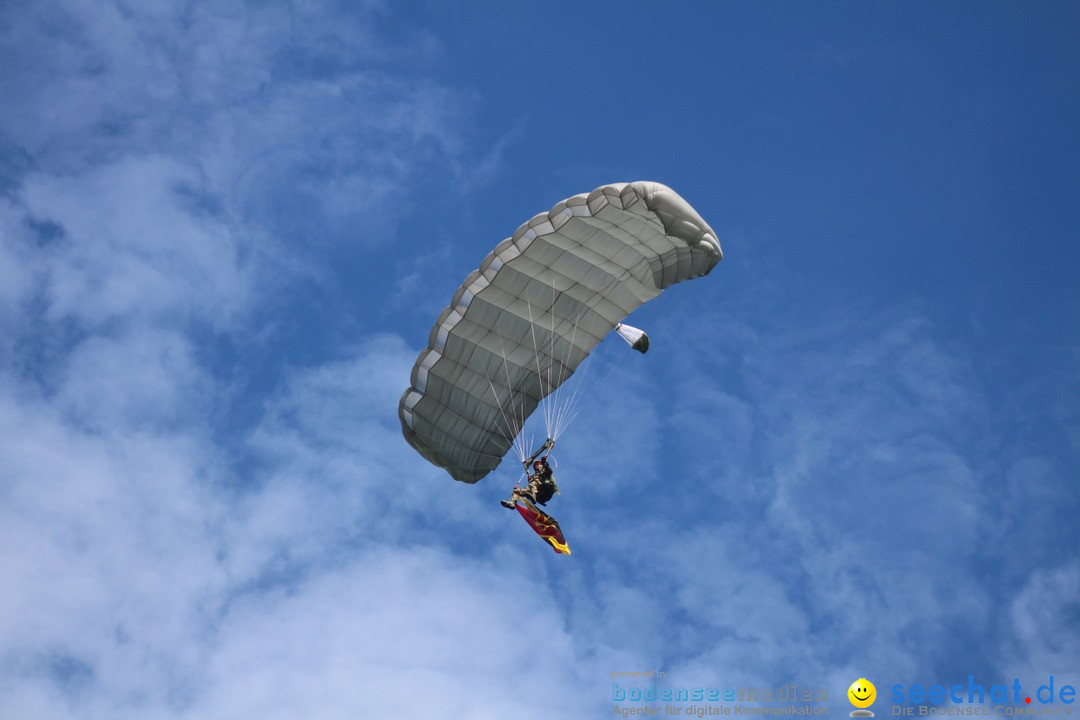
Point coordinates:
[(226, 230)]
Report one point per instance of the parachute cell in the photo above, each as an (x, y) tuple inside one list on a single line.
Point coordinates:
[(536, 307)]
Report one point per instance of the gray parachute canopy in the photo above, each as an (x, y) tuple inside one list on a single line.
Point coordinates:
[(536, 307)]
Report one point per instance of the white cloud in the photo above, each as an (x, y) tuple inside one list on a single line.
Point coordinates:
[(296, 119), (174, 154), (129, 248), (145, 380), (138, 587), (1043, 628), (396, 632), (108, 558)]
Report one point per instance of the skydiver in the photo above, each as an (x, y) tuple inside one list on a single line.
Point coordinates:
[(541, 487)]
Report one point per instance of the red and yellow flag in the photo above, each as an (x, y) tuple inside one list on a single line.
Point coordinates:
[(544, 525)]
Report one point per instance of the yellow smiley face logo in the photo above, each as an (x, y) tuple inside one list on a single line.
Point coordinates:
[(862, 693)]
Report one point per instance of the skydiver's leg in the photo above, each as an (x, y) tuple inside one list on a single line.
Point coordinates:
[(528, 493), (517, 494)]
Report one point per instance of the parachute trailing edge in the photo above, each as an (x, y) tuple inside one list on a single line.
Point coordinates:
[(539, 303)]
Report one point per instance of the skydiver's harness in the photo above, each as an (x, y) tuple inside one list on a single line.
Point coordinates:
[(546, 487)]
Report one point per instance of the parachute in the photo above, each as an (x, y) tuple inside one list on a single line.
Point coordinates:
[(539, 303)]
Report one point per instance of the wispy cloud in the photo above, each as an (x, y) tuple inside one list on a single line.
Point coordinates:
[(178, 164), (795, 539)]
